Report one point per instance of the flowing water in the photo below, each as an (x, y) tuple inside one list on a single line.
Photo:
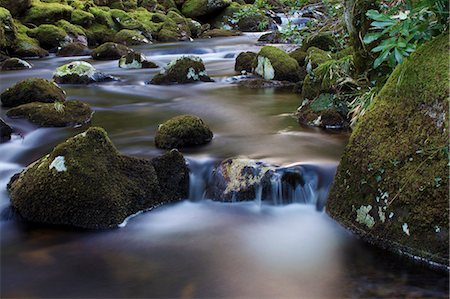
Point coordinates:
[(282, 245)]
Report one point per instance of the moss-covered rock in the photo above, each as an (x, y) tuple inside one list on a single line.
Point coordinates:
[(110, 51), (299, 55), (326, 111), (74, 49), (78, 72), (58, 114), (182, 131), (219, 33), (47, 13), (75, 32), (13, 64), (16, 7), (99, 34), (5, 131), (49, 36), (186, 69), (244, 62), (274, 64), (246, 18), (322, 40), (274, 37), (102, 17), (316, 57), (130, 37), (8, 31), (391, 186), (136, 61), (82, 18), (32, 90), (199, 8), (27, 47), (124, 20), (86, 182), (174, 28)]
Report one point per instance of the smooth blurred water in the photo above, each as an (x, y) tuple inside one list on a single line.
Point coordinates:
[(196, 248)]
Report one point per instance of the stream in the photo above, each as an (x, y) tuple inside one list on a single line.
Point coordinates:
[(282, 247)]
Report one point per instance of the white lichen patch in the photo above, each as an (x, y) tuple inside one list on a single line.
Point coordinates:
[(405, 228), (437, 112), (437, 229), (135, 64), (363, 216), (238, 179), (191, 74), (391, 214), (381, 214), (59, 164), (318, 121), (264, 68), (78, 68)]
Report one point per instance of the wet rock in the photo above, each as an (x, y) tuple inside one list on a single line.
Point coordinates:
[(199, 8), (46, 13), (323, 40), (273, 37), (58, 114), (136, 61), (258, 83), (5, 131), (49, 36), (183, 131), (391, 186), (130, 38), (16, 7), (8, 31), (99, 34), (32, 90), (326, 111), (186, 69), (79, 72), (74, 49), (174, 28), (13, 64), (244, 62), (82, 18), (27, 47), (110, 51), (274, 64), (76, 33), (219, 33), (85, 182)]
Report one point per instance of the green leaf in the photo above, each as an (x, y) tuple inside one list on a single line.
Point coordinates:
[(398, 56), (371, 37), (381, 59), (382, 24), (375, 15)]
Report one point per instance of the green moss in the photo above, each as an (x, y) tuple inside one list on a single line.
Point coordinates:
[(197, 8), (322, 40), (397, 160), (135, 61), (182, 131), (124, 20), (317, 56), (32, 90), (16, 7), (71, 29), (73, 49), (7, 29), (186, 69), (82, 18), (102, 17), (98, 34), (49, 36), (299, 55), (274, 64), (130, 37), (47, 13), (219, 33), (149, 21), (58, 114), (110, 51), (11, 64), (245, 62)]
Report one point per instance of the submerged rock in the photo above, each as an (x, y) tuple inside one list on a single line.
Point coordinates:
[(110, 51), (274, 64), (244, 62), (5, 131), (182, 131), (186, 69), (391, 186), (74, 49), (58, 114), (13, 64), (79, 72), (136, 61), (32, 90), (325, 111), (85, 182)]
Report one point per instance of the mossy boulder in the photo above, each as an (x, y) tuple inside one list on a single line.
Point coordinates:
[(49, 36), (82, 18), (186, 69), (8, 32), (75, 32), (5, 131), (299, 55), (199, 8), (47, 13), (136, 61), (85, 182), (326, 111), (74, 49), (275, 64), (124, 20), (102, 17), (219, 33), (79, 72), (99, 34), (13, 64), (130, 37), (274, 37), (322, 40), (316, 56), (250, 19), (110, 51), (183, 131), (58, 114), (391, 186), (244, 62), (174, 28), (16, 7), (32, 90), (27, 47)]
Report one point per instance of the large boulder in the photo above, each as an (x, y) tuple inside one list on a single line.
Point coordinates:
[(275, 64), (79, 72), (201, 8), (183, 131), (85, 182), (5, 131), (32, 90), (391, 186), (16, 7), (244, 62), (136, 61), (74, 49), (50, 36), (58, 114), (13, 64), (323, 40), (326, 111), (47, 13), (8, 31), (186, 69), (130, 37), (110, 51)]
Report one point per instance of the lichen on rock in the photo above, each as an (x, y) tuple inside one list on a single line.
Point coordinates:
[(186, 69), (110, 51), (136, 61), (274, 63), (78, 72)]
